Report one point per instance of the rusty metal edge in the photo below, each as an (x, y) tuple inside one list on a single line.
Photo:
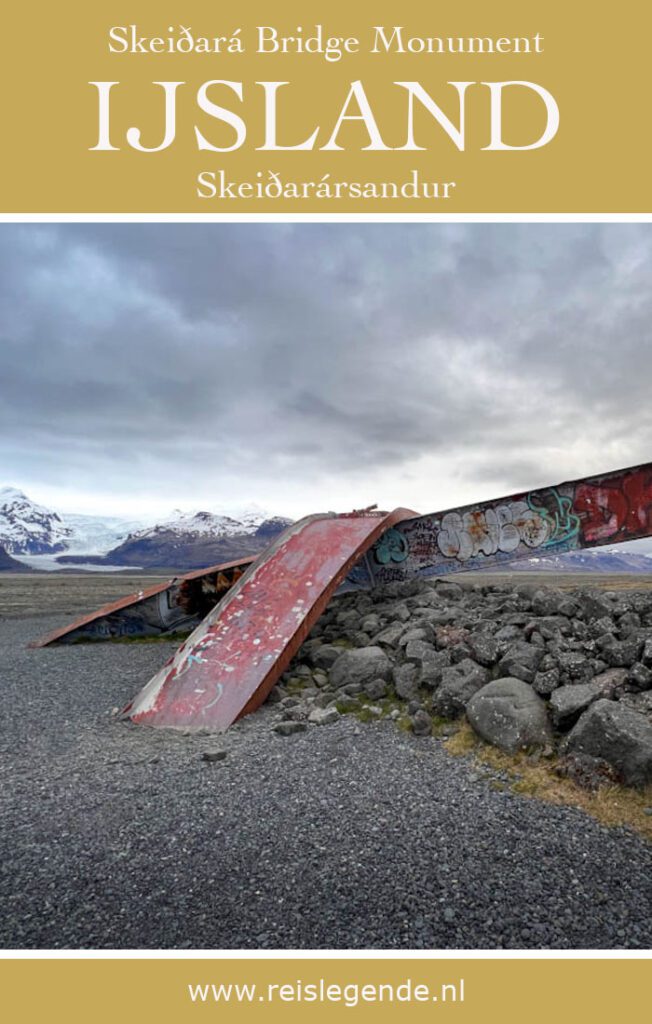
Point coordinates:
[(398, 515), (136, 597)]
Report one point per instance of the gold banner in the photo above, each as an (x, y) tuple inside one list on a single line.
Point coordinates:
[(459, 990), (320, 108)]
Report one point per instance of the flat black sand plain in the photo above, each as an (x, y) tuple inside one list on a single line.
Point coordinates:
[(347, 836)]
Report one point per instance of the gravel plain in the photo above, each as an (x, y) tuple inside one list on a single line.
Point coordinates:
[(348, 835)]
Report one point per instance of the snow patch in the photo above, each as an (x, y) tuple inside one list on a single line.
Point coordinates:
[(36, 534)]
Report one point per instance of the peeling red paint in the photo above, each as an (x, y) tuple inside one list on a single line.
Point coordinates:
[(230, 663)]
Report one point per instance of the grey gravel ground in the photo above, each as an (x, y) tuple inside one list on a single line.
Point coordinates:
[(345, 836)]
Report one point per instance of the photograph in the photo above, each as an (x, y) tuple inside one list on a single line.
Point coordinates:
[(325, 585)]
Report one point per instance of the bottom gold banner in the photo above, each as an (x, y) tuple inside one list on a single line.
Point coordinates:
[(448, 990)]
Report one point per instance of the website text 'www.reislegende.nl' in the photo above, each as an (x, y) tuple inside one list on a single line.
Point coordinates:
[(323, 991)]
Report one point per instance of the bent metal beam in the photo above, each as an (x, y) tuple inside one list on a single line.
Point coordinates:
[(232, 660), (230, 663), (176, 604)]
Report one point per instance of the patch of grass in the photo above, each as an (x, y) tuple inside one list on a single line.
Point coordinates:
[(176, 638), (364, 714), (537, 778), (463, 741), (345, 708)]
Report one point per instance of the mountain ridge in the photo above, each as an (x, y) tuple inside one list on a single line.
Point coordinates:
[(29, 528), (186, 540)]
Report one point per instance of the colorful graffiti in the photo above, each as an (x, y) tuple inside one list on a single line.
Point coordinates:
[(469, 534), (535, 521), (392, 547), (557, 510), (618, 509), (577, 514)]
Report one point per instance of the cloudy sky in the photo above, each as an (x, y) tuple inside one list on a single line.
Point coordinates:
[(307, 367)]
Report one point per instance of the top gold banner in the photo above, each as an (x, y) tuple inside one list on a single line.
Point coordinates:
[(316, 108)]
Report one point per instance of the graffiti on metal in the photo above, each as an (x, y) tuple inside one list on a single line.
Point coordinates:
[(255, 616), (578, 514)]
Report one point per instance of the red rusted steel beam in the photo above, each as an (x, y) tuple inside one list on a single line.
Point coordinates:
[(230, 663), (158, 609), (606, 509)]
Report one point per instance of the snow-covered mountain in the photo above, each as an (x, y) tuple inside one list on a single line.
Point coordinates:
[(207, 524), (191, 540), (45, 539), (30, 529), (591, 560)]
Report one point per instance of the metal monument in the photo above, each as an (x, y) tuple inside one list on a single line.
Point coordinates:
[(252, 615)]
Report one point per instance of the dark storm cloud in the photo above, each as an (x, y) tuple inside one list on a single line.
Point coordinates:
[(134, 350)]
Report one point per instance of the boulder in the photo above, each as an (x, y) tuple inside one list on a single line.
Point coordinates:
[(546, 682), (214, 755), (602, 627), (521, 661), (370, 624), (359, 639), (406, 681), (325, 656), (548, 601), (574, 667), (448, 636), (432, 668), (348, 619), (323, 716), (646, 654), (375, 689), (458, 684), (622, 653), (289, 728), (593, 605), (360, 666), (418, 650), (448, 590), (510, 715), (614, 733), (484, 649), (423, 632), (640, 702), (640, 677), (421, 723), (390, 634), (568, 702), (569, 608), (399, 613)]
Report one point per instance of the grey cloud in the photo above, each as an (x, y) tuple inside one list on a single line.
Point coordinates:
[(131, 351)]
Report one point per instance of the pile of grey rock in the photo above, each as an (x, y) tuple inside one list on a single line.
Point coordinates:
[(534, 668)]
